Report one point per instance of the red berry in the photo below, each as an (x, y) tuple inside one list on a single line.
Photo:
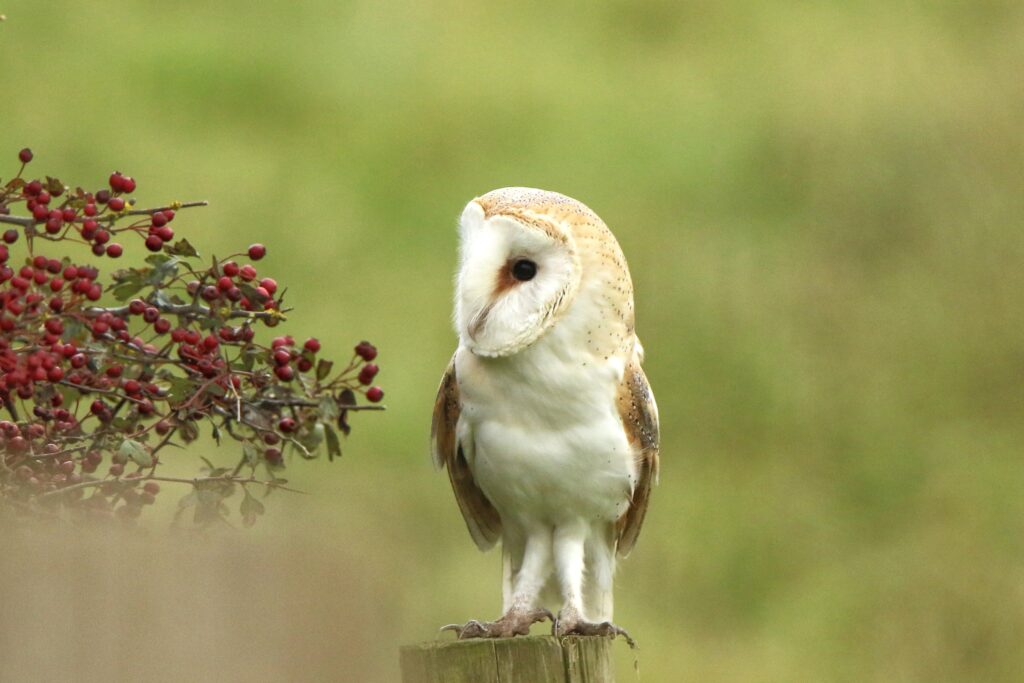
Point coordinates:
[(33, 188), (68, 215), (136, 306), (224, 283), (247, 272), (366, 350), (115, 181), (43, 197), (278, 342), (284, 373), (312, 345), (78, 360), (151, 487), (159, 219), (269, 284), (114, 250), (162, 325), (150, 314), (11, 236), (25, 155), (273, 456), (210, 293), (132, 386), (368, 372), (374, 394), (165, 233), (101, 237), (230, 268), (286, 425), (154, 243), (282, 357), (116, 204), (257, 251), (103, 196), (210, 342)]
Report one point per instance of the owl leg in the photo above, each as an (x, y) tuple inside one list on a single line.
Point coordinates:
[(569, 544), (521, 611)]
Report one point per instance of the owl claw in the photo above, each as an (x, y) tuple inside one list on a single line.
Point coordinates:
[(510, 625), (577, 627)]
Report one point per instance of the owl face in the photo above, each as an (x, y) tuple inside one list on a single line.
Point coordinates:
[(518, 274)]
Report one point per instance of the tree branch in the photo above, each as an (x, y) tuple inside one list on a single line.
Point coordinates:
[(174, 480), (17, 220), (173, 207), (188, 309)]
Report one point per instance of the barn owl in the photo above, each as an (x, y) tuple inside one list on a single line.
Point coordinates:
[(544, 420)]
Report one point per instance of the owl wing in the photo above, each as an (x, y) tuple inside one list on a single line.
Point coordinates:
[(639, 415), (482, 519)]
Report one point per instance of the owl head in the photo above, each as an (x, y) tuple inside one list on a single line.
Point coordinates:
[(523, 256)]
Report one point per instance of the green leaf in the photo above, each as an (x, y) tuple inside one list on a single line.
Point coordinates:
[(125, 291), (182, 248), (328, 408), (136, 452), (180, 389), (323, 368), (333, 445), (311, 440), (250, 509), (251, 453)]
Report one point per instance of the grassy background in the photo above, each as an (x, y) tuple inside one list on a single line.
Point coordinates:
[(823, 209)]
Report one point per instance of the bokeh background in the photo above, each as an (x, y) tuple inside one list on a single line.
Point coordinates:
[(822, 205)]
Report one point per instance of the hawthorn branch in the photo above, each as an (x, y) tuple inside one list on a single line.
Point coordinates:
[(172, 207), (192, 309), (305, 403), (18, 220), (195, 481)]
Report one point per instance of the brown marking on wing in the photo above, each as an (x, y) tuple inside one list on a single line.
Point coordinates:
[(639, 415), (482, 520)]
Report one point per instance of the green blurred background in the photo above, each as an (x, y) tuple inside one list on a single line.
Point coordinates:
[(822, 205)]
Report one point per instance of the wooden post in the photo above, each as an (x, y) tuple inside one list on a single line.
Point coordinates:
[(530, 659)]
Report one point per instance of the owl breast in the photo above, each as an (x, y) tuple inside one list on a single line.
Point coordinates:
[(547, 441)]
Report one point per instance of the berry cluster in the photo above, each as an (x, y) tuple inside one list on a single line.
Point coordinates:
[(99, 376)]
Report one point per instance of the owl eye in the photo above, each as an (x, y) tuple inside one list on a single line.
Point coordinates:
[(524, 269)]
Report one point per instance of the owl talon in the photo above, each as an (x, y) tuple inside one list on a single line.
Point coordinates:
[(573, 627), (510, 625)]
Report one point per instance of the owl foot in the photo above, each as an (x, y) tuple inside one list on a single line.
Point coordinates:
[(570, 624), (512, 624)]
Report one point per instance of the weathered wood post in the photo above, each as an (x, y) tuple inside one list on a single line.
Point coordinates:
[(532, 659)]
